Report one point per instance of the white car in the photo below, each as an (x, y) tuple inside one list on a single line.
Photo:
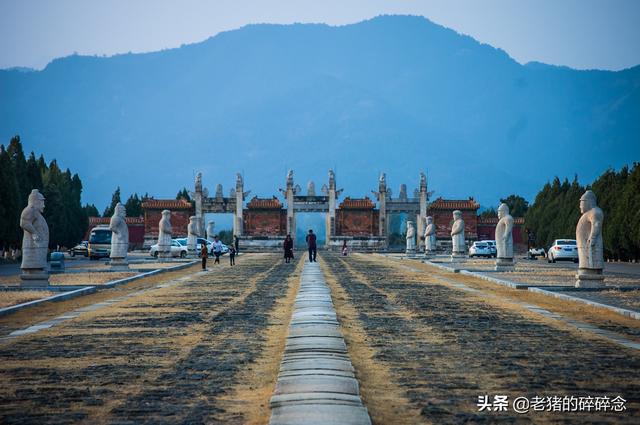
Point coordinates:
[(534, 253), (200, 241), (492, 247), (563, 250), (480, 249), (177, 250)]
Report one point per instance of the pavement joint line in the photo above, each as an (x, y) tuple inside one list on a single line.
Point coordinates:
[(316, 382), (93, 307), (581, 326)]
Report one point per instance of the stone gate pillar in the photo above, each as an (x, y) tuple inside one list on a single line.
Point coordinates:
[(331, 216), (291, 219), (423, 210), (197, 197), (238, 220), (382, 200)]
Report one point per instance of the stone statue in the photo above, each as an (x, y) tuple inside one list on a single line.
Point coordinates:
[(311, 189), (164, 235), (403, 192), (219, 194), (423, 182), (332, 180), (119, 236), (589, 241), (457, 235), (192, 236), (239, 180), (290, 179), (198, 182), (211, 225), (35, 242), (429, 236), (411, 238), (504, 239)]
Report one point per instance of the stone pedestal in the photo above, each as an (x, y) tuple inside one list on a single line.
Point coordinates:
[(458, 257), (34, 278), (119, 264), (429, 254), (410, 252), (590, 278), (505, 265)]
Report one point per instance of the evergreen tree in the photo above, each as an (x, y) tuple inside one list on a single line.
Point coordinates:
[(9, 201), (34, 174), (19, 169), (183, 194), (90, 210), (115, 198), (518, 206), (489, 213), (133, 206)]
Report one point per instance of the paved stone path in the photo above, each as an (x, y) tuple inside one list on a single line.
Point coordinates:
[(316, 383)]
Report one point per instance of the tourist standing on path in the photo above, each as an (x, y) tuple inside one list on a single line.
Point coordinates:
[(288, 249), (217, 249), (311, 244), (236, 244), (232, 255), (345, 250), (204, 254)]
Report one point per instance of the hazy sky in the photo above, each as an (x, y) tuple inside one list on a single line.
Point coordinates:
[(582, 34)]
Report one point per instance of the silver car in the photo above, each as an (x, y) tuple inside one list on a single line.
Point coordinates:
[(177, 250)]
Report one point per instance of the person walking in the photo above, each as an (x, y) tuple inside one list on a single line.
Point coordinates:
[(345, 250), (204, 254), (217, 249), (288, 249), (232, 255), (236, 244), (311, 244)]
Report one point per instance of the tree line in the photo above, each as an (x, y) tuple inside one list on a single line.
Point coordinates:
[(66, 217), (556, 211)]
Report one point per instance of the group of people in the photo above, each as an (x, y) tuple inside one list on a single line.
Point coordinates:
[(312, 247), (216, 249)]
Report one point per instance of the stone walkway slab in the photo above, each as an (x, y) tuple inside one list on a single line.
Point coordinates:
[(316, 383)]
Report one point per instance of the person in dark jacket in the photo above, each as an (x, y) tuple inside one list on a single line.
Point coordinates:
[(288, 249), (311, 244), (204, 253), (232, 255)]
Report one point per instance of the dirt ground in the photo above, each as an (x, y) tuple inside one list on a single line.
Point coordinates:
[(439, 348), (87, 278), (9, 298), (208, 349), (180, 354)]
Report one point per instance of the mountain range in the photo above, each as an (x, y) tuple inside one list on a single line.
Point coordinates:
[(394, 94)]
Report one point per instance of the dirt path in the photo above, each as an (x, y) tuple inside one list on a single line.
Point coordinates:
[(443, 348), (181, 354)]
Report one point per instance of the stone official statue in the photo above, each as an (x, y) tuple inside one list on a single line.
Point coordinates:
[(504, 238), (192, 236), (311, 189), (457, 235), (164, 235), (429, 236), (411, 237), (504, 233), (35, 242), (211, 225), (589, 241), (119, 233)]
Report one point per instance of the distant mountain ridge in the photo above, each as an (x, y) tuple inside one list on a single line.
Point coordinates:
[(397, 94)]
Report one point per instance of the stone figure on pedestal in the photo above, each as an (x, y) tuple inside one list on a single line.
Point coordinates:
[(429, 237), (457, 236), (403, 192), (164, 235), (35, 242), (589, 241), (119, 237), (192, 236), (504, 239), (311, 189), (211, 225), (411, 238)]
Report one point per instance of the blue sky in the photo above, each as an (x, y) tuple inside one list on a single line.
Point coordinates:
[(582, 34)]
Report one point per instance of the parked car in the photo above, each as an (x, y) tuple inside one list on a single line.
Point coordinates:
[(534, 253), (563, 249), (177, 250), (99, 242), (492, 247), (81, 249), (200, 242), (480, 249)]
